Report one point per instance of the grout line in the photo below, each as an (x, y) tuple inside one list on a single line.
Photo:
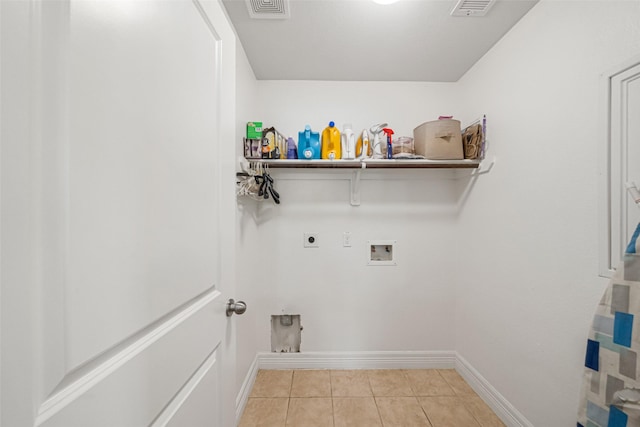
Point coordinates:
[(472, 415), (331, 383), (286, 417), (375, 402), (293, 372), (455, 393), (406, 377), (369, 382), (333, 408), (424, 411)]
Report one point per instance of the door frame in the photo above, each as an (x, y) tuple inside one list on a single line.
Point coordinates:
[(613, 171)]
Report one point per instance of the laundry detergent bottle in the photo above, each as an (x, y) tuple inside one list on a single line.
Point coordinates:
[(308, 144), (292, 150), (348, 140), (331, 149)]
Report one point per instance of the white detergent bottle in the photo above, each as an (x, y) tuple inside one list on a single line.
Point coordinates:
[(348, 143)]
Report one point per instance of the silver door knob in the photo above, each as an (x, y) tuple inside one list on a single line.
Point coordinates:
[(237, 307)]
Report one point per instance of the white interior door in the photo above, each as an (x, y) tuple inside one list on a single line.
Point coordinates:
[(114, 283)]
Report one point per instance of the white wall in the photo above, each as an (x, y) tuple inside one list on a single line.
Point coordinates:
[(290, 105), (346, 305), (514, 266), (530, 285)]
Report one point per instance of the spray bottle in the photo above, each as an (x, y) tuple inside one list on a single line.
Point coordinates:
[(376, 130), (389, 132), (348, 140)]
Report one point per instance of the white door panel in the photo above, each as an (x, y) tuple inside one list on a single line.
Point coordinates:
[(140, 172), (203, 399), (115, 207), (130, 385)]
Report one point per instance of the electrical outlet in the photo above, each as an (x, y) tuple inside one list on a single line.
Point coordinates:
[(346, 239), (311, 240)]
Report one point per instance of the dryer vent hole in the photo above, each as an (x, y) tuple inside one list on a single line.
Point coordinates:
[(286, 333)]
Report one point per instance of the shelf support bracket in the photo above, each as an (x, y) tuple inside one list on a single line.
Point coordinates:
[(479, 171), (355, 187)]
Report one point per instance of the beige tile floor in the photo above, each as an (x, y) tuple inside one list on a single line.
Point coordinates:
[(366, 398)]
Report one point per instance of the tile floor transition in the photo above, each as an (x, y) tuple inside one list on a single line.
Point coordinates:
[(367, 398)]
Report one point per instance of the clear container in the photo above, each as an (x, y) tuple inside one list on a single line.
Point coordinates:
[(403, 145)]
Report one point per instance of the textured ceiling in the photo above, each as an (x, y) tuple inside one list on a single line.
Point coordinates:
[(412, 40)]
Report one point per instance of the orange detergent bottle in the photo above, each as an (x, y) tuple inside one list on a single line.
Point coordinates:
[(331, 148)]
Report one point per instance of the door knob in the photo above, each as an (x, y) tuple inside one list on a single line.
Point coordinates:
[(237, 307)]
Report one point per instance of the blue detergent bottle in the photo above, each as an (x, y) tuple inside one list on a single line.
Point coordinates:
[(308, 144)]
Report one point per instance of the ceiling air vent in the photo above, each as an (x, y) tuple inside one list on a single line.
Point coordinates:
[(472, 7), (268, 9)]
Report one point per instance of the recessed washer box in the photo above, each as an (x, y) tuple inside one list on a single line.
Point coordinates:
[(381, 252)]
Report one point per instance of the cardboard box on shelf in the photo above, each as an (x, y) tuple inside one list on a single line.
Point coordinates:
[(439, 140)]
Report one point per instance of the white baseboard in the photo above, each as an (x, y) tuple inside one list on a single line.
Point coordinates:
[(497, 402), (384, 360), (358, 360), (245, 390)]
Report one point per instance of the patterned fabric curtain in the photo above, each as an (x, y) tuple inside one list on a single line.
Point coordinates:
[(610, 394)]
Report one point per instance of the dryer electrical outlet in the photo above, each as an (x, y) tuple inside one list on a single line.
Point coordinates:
[(311, 240)]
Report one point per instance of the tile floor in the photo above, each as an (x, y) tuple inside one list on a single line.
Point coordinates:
[(367, 398)]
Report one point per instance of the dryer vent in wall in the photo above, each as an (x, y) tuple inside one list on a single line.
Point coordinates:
[(286, 333)]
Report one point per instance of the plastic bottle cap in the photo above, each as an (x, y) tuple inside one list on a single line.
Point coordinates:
[(307, 127), (347, 126), (331, 124)]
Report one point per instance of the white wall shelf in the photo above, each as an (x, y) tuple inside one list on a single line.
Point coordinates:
[(370, 164), (358, 166)]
